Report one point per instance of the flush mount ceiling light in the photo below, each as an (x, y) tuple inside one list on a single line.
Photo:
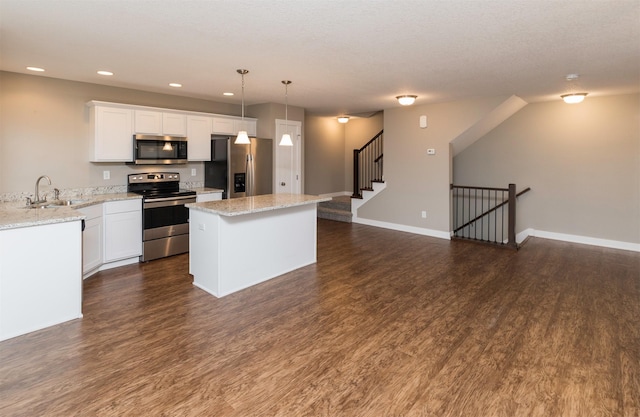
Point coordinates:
[(573, 98), (101, 72), (175, 85), (406, 100), (286, 138), (227, 94), (36, 69), (343, 119), (242, 138)]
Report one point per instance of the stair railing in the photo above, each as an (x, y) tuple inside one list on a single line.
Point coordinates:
[(368, 165), (479, 214)]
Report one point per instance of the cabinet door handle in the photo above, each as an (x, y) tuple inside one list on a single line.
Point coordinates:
[(283, 183)]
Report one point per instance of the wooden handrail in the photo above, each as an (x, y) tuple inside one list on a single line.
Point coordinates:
[(372, 139)]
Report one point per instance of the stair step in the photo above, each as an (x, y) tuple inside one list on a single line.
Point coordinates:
[(334, 214), (338, 203)]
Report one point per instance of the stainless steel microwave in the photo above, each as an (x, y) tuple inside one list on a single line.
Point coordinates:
[(165, 150)]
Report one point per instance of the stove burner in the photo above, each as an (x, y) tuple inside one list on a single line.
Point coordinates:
[(157, 185)]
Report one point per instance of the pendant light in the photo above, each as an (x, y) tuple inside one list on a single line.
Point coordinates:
[(286, 138), (243, 138)]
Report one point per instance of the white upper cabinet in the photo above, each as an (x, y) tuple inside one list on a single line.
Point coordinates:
[(224, 126), (149, 122), (112, 134), (231, 125), (199, 130), (114, 124), (174, 124)]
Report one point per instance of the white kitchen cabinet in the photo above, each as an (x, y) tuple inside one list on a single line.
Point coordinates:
[(204, 197), (148, 122), (92, 239), (224, 126), (174, 124), (199, 129), (231, 125), (122, 229), (111, 134), (40, 277)]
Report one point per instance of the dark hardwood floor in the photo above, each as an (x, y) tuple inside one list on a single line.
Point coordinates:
[(386, 324)]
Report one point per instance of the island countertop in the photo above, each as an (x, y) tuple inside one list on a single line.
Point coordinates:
[(256, 204)]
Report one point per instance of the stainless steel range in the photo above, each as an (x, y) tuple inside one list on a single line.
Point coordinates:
[(165, 219)]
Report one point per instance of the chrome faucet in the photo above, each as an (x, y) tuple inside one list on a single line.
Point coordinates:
[(37, 196)]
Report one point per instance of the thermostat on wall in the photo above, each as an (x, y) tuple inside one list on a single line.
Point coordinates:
[(423, 121)]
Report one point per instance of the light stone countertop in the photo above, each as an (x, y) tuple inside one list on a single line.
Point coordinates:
[(14, 215), (256, 204), (206, 190)]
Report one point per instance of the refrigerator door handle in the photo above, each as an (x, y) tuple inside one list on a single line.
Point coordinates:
[(250, 176)]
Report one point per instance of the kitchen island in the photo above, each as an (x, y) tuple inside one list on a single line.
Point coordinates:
[(240, 242)]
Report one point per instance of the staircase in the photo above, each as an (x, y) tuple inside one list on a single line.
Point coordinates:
[(338, 209), (367, 182)]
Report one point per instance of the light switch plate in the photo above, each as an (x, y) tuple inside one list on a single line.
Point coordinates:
[(423, 121), (106, 175)]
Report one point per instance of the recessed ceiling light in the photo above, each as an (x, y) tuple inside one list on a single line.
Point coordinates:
[(176, 85), (105, 72), (35, 69), (227, 94)]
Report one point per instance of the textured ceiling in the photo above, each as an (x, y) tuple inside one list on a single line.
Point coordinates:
[(344, 56)]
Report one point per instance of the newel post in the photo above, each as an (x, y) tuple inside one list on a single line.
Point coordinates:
[(356, 179), (512, 216)]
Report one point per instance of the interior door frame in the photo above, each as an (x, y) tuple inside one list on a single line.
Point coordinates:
[(295, 130)]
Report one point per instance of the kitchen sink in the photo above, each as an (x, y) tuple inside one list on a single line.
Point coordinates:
[(65, 203), (56, 203)]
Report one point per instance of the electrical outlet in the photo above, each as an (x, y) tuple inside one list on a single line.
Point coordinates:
[(106, 175), (431, 151), (424, 214), (193, 172)]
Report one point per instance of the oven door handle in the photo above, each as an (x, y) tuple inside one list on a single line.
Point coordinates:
[(168, 201)]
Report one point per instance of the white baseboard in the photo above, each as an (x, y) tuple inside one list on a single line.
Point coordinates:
[(403, 228), (520, 237), (584, 240)]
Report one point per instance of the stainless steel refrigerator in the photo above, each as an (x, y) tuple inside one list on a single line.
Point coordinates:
[(240, 170)]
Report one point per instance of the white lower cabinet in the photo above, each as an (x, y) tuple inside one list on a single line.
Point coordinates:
[(92, 238), (40, 277), (122, 229)]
